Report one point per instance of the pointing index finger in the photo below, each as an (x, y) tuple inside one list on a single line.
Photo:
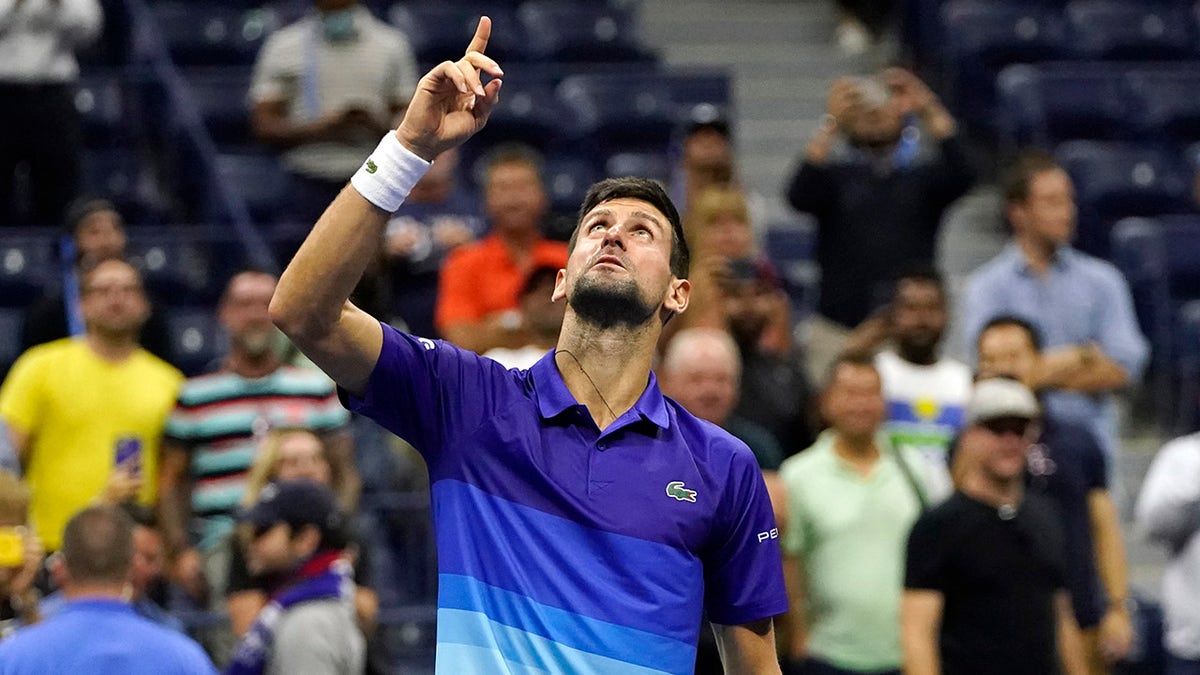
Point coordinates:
[(483, 32)]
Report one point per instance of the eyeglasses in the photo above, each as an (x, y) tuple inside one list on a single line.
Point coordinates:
[(1008, 425)]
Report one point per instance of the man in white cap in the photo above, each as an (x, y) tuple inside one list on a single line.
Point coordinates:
[(985, 576)]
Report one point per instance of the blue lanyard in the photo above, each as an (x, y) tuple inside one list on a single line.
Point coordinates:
[(70, 286), (309, 98)]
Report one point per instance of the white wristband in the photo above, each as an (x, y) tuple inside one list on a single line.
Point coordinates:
[(388, 175)]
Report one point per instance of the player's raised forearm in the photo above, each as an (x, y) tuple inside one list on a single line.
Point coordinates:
[(312, 293)]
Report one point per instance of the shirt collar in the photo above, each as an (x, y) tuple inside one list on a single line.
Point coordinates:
[(553, 397), (1061, 260)]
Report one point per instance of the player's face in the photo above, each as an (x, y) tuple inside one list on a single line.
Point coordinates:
[(619, 273), (515, 198), (919, 315), (113, 299), (854, 400), (302, 457), (1001, 445), (270, 549), (1048, 213), (244, 312), (1007, 350), (707, 384), (100, 236)]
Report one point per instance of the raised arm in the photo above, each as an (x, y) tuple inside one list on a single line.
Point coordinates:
[(310, 303)]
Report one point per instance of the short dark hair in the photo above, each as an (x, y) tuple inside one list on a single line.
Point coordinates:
[(511, 152), (1018, 175), (646, 190), (81, 208), (1035, 336), (97, 545), (536, 276), (921, 273), (857, 359)]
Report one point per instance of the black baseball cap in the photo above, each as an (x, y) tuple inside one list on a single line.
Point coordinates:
[(298, 503)]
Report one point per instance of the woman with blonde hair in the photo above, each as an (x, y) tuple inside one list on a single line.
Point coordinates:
[(287, 454)]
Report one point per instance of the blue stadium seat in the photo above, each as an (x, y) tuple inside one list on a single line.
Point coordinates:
[(258, 180), (1115, 180), (28, 264), (982, 37), (100, 101), (652, 165), (790, 245), (197, 341), (620, 111), (212, 33), (1160, 258), (567, 180), (220, 96), (566, 30), (175, 265), (1112, 29), (1047, 103), (118, 175), (440, 31), (1188, 368), (528, 113), (1170, 99), (11, 321)]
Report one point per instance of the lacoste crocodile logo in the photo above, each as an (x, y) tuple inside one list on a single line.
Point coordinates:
[(676, 489), (371, 168)]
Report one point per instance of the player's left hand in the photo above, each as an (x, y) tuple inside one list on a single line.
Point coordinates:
[(1116, 634), (451, 102)]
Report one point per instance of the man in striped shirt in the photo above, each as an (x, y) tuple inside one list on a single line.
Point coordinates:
[(212, 435)]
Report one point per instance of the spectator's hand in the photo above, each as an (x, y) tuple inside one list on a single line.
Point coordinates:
[(123, 484), (844, 100), (361, 119), (22, 579), (188, 572), (452, 233), (908, 90), (451, 103), (1116, 634)]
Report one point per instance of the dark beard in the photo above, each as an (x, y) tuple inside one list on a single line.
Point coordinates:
[(608, 306)]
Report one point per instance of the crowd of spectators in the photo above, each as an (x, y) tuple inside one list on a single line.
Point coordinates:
[(939, 512)]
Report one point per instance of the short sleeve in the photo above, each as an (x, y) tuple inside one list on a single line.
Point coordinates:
[(1095, 466), (429, 392), (404, 75), (743, 571), (20, 395), (924, 558), (268, 83), (456, 291)]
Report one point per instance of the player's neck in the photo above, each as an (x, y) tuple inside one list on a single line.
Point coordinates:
[(994, 491), (111, 347), (606, 370)]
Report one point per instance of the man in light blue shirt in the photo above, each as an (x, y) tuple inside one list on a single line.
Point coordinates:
[(97, 631), (1080, 304)]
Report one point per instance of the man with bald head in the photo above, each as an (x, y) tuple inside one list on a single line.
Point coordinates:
[(702, 371), (76, 405)]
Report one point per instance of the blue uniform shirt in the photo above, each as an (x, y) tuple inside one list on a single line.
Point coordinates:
[(568, 549), (102, 637), (1081, 299)]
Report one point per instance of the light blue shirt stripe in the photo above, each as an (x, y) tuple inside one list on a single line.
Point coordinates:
[(512, 645)]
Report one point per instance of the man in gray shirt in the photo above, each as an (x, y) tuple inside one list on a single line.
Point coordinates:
[(1168, 512), (297, 542)]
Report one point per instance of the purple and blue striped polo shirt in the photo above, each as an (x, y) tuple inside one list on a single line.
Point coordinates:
[(562, 548)]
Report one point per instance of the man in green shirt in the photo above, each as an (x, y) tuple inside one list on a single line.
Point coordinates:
[(851, 500)]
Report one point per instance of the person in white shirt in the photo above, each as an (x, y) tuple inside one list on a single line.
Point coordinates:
[(42, 130), (926, 392)]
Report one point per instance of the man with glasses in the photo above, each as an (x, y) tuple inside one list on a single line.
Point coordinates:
[(86, 414), (1066, 464), (985, 581)]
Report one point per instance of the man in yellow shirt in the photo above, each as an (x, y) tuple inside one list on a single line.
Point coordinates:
[(73, 404)]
